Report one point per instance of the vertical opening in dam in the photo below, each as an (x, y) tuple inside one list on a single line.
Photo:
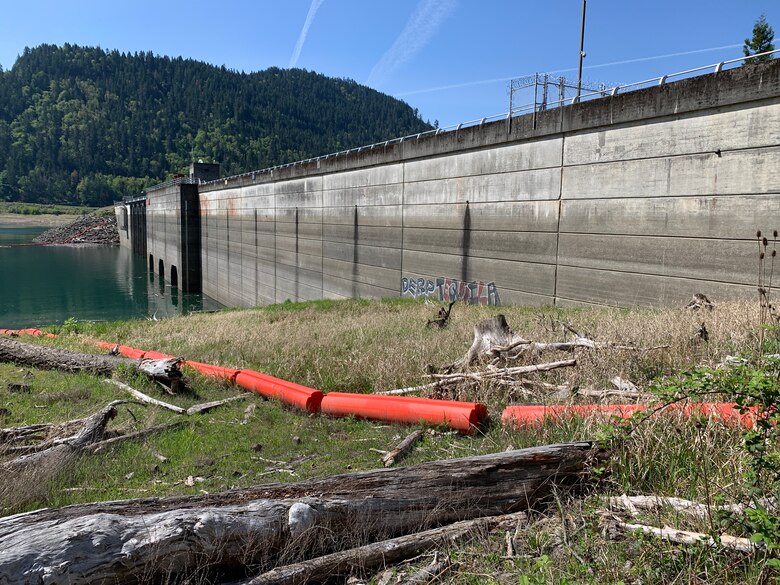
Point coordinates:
[(174, 276), (161, 270)]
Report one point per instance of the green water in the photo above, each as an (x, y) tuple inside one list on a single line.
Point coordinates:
[(45, 285)]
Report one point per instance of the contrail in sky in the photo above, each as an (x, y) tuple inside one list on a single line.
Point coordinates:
[(313, 7), (421, 26), (496, 80)]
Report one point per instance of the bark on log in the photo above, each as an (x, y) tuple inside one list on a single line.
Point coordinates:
[(49, 358), (376, 555), (671, 534), (402, 448), (632, 504), (428, 574), (175, 537), (194, 409), (27, 476)]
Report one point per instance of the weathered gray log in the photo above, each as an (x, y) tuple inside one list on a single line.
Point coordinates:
[(25, 477), (428, 574), (194, 409), (175, 537), (37, 431), (402, 448), (49, 358), (672, 534), (59, 455), (376, 555)]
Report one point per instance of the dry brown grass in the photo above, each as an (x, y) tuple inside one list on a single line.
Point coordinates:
[(367, 346), (364, 346)]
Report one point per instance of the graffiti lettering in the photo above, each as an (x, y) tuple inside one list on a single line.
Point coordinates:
[(446, 289)]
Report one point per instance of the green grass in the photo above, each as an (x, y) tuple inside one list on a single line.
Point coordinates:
[(365, 346), (44, 208)]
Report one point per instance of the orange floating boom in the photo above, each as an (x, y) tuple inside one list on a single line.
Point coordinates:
[(461, 416), (290, 393), (531, 415), (216, 372)]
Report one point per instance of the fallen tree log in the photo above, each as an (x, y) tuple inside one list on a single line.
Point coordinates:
[(27, 475), (672, 534), (495, 343), (194, 409), (37, 432), (60, 454), (402, 448), (375, 555), (632, 504), (165, 370), (176, 537)]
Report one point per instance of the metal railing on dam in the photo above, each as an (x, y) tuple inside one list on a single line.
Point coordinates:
[(641, 198), (508, 115)]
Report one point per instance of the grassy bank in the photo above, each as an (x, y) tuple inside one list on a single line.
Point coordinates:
[(369, 346), (15, 214), (20, 208)]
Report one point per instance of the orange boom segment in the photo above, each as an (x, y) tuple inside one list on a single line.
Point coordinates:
[(290, 393), (461, 416)]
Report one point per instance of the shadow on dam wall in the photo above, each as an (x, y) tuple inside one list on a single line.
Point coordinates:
[(641, 198)]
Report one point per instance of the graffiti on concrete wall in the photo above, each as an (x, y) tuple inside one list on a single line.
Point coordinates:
[(475, 292)]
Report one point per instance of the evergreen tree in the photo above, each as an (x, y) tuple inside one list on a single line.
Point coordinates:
[(763, 35), (80, 124)]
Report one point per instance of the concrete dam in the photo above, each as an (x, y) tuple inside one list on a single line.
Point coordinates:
[(633, 199)]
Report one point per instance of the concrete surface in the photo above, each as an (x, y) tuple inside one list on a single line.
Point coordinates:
[(641, 198)]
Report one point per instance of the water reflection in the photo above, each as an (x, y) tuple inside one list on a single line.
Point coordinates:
[(44, 285)]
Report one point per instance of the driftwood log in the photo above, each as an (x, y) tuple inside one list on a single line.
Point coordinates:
[(672, 534), (376, 555), (255, 529), (495, 343), (402, 448), (166, 371), (28, 474), (195, 409)]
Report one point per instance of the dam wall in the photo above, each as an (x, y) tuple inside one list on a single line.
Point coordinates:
[(635, 199)]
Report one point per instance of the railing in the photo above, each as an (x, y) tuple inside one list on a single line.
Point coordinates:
[(515, 111)]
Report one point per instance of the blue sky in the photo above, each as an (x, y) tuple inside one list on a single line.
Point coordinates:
[(451, 59)]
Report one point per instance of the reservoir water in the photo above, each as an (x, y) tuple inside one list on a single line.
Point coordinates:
[(45, 285)]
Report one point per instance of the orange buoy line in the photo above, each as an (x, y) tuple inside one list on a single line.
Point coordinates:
[(31, 331), (465, 417), (461, 416), (525, 415)]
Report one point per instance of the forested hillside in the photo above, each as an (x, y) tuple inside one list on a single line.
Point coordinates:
[(88, 126)]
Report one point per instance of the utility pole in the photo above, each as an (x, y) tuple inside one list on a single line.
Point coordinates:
[(582, 52)]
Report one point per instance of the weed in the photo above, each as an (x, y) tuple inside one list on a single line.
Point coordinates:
[(70, 326)]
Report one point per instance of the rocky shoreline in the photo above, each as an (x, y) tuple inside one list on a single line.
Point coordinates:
[(87, 229)]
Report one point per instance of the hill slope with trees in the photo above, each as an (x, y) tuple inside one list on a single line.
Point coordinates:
[(85, 125)]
